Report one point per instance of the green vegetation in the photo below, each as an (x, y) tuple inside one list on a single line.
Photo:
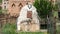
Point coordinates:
[(0, 9), (3, 11), (11, 29), (31, 33), (44, 8), (0, 1), (58, 29)]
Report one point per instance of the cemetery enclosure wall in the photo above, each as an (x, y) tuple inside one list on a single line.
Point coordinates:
[(6, 19)]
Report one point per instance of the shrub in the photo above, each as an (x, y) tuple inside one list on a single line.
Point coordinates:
[(9, 29)]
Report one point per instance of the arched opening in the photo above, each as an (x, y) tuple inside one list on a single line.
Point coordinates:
[(20, 5), (13, 5), (43, 24)]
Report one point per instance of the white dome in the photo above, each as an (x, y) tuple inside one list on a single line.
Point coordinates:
[(23, 15)]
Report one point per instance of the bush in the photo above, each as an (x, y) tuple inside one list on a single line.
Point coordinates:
[(9, 29), (58, 29), (0, 1), (45, 8)]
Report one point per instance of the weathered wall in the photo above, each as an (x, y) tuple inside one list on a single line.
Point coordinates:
[(6, 19), (15, 6)]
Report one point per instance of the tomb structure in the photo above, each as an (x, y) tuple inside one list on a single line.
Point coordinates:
[(28, 19)]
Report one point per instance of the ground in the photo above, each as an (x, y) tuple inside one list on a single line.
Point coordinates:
[(31, 33)]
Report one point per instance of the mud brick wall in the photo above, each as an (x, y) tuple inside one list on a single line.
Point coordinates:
[(6, 19)]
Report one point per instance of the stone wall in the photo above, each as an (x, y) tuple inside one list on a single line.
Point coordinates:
[(6, 19), (14, 6), (32, 26)]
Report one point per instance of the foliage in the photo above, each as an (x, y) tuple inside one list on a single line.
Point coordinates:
[(44, 7), (9, 29), (0, 11), (0, 1), (3, 11), (58, 29), (31, 33), (0, 8)]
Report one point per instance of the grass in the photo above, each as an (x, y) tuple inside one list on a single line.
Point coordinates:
[(9, 29), (31, 33)]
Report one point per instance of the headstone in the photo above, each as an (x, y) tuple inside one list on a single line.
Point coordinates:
[(29, 14)]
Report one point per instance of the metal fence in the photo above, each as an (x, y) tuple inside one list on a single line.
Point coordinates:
[(53, 26)]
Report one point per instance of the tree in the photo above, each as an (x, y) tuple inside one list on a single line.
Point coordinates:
[(44, 8), (0, 1)]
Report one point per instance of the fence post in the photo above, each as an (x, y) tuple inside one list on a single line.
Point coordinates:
[(51, 25)]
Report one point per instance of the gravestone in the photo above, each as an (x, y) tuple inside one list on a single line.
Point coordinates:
[(29, 14)]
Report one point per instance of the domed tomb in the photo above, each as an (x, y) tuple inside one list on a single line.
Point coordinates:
[(28, 19)]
